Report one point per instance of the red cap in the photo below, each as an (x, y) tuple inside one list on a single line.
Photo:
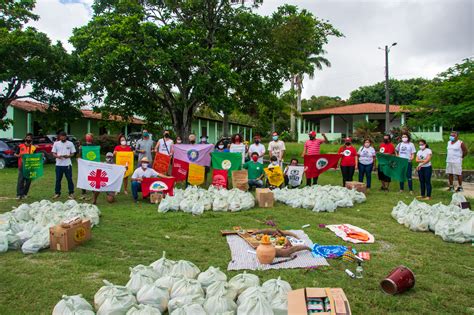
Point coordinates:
[(347, 139), (312, 133)]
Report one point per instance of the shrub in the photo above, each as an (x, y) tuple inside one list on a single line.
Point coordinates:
[(367, 130), (107, 143)]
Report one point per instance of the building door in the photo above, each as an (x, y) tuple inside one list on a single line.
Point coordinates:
[(381, 125)]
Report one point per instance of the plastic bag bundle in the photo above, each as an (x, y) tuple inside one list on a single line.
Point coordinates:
[(274, 288), (210, 276), (168, 281), (143, 309), (163, 266), (74, 304), (108, 289), (219, 305), (154, 295), (38, 241), (243, 281), (221, 288), (3, 242), (255, 305), (186, 287), (117, 304), (249, 292), (181, 301), (189, 309), (140, 276), (184, 268), (457, 199)]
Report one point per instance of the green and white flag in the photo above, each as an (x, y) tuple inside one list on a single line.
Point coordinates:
[(226, 161), (32, 165), (393, 166), (91, 153)]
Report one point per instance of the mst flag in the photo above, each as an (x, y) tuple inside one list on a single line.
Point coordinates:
[(196, 174), (99, 176), (125, 159), (157, 184), (180, 170), (91, 153), (295, 175), (219, 178), (226, 161), (320, 163), (194, 153), (274, 175), (161, 163), (32, 165), (393, 166)]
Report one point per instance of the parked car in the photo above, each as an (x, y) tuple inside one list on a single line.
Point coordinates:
[(7, 155), (133, 138), (71, 138), (44, 145)]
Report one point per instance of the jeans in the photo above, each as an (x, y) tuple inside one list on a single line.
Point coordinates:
[(347, 174), (258, 183), (67, 171), (409, 178), (136, 188), (424, 174), (23, 184), (308, 181), (367, 171)]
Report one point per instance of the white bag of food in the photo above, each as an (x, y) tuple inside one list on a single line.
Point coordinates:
[(167, 282), (163, 266), (70, 305), (252, 291), (39, 241), (185, 287), (181, 301), (3, 242), (155, 296), (210, 276), (143, 309), (141, 276), (221, 288), (255, 305), (243, 281), (117, 304), (165, 205), (184, 268), (274, 288), (219, 305), (108, 289), (189, 309)]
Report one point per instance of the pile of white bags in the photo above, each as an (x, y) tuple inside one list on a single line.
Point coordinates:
[(27, 226), (450, 222), (319, 198), (191, 293), (196, 200)]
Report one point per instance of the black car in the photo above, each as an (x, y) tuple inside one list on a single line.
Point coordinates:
[(7, 155)]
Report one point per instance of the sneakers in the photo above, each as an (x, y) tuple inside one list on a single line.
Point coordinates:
[(459, 189), (83, 197), (71, 196), (56, 196), (451, 189), (426, 198), (18, 197)]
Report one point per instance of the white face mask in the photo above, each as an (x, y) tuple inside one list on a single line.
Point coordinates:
[(275, 163), (366, 145), (220, 146), (144, 166), (178, 141), (422, 146), (123, 142), (405, 139)]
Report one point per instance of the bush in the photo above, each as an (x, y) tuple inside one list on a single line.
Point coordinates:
[(397, 133), (107, 143), (367, 130)]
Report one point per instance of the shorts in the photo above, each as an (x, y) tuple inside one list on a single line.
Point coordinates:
[(454, 168), (383, 177)]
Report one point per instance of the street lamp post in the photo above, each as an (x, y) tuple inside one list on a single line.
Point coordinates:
[(387, 91)]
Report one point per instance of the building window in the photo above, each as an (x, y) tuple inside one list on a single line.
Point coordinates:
[(203, 132)]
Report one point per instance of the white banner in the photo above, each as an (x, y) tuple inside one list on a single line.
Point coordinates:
[(295, 175), (97, 176)]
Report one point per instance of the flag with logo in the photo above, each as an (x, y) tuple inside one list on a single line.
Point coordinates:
[(393, 166), (180, 170), (98, 176), (199, 154), (32, 165), (157, 184), (295, 175), (320, 163), (274, 175), (226, 161), (219, 178), (196, 174), (161, 163), (125, 159), (91, 153)]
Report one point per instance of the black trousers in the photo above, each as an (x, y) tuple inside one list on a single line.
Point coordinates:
[(347, 174), (308, 181), (23, 184)]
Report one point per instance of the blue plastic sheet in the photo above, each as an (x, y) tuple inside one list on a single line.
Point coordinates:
[(328, 251)]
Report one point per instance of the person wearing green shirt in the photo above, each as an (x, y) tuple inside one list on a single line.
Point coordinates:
[(255, 171)]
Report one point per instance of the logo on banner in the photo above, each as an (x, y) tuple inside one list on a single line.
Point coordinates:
[(193, 155), (347, 152), (321, 163), (393, 164), (98, 178), (226, 164), (91, 155), (382, 150), (158, 186), (219, 180)]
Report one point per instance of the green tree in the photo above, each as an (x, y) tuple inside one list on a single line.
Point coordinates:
[(320, 102)]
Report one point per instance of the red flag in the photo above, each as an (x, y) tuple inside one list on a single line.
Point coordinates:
[(161, 163), (180, 170), (157, 184), (320, 163), (219, 178)]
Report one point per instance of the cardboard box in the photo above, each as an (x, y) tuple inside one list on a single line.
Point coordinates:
[(66, 237), (156, 197), (264, 197), (361, 187), (298, 301), (240, 180)]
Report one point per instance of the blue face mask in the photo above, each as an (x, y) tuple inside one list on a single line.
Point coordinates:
[(275, 138), (451, 138)]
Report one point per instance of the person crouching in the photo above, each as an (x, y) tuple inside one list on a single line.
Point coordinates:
[(144, 171), (255, 171)]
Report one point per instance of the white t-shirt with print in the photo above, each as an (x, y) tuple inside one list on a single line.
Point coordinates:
[(63, 148), (405, 150), (144, 173), (238, 148), (275, 148), (423, 154), (260, 149), (162, 147), (366, 155)]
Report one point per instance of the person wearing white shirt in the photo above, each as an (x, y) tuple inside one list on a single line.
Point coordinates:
[(366, 160), (165, 144), (258, 148), (406, 149), (457, 150), (144, 171), (63, 150), (423, 158), (277, 148), (238, 147)]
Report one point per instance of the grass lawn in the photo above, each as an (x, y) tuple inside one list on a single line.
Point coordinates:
[(131, 234)]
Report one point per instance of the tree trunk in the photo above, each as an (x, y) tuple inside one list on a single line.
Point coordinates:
[(182, 124), (225, 124), (292, 113), (273, 122)]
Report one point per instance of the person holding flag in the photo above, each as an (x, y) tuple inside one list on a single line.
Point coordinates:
[(63, 150), (277, 148), (110, 195), (313, 147), (144, 171), (123, 147), (165, 144), (293, 174), (406, 149), (220, 146), (348, 161), (237, 146), (255, 171), (386, 147), (23, 184), (89, 142)]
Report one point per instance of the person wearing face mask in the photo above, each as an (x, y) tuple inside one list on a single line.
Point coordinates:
[(237, 146), (366, 155), (144, 146), (255, 171), (220, 146), (179, 140), (63, 150), (203, 140), (312, 147), (165, 144), (406, 149), (423, 158), (386, 147), (144, 171), (277, 148), (192, 138), (110, 195), (123, 147), (348, 161), (258, 148), (23, 184), (89, 137), (457, 150)]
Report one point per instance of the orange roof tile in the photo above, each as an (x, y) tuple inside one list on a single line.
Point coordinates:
[(365, 108)]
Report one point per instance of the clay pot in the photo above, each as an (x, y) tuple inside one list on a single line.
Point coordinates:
[(266, 253)]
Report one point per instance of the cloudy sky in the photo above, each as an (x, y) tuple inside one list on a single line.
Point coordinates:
[(432, 35)]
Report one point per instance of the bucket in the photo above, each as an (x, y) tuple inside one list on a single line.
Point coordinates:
[(399, 280)]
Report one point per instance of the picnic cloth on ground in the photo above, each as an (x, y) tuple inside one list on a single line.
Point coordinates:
[(351, 233), (242, 259)]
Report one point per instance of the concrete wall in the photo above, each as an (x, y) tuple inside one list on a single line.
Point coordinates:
[(9, 132), (20, 129), (214, 129)]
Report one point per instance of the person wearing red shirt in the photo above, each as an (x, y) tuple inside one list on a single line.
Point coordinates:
[(386, 147), (312, 147), (348, 161), (123, 147)]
